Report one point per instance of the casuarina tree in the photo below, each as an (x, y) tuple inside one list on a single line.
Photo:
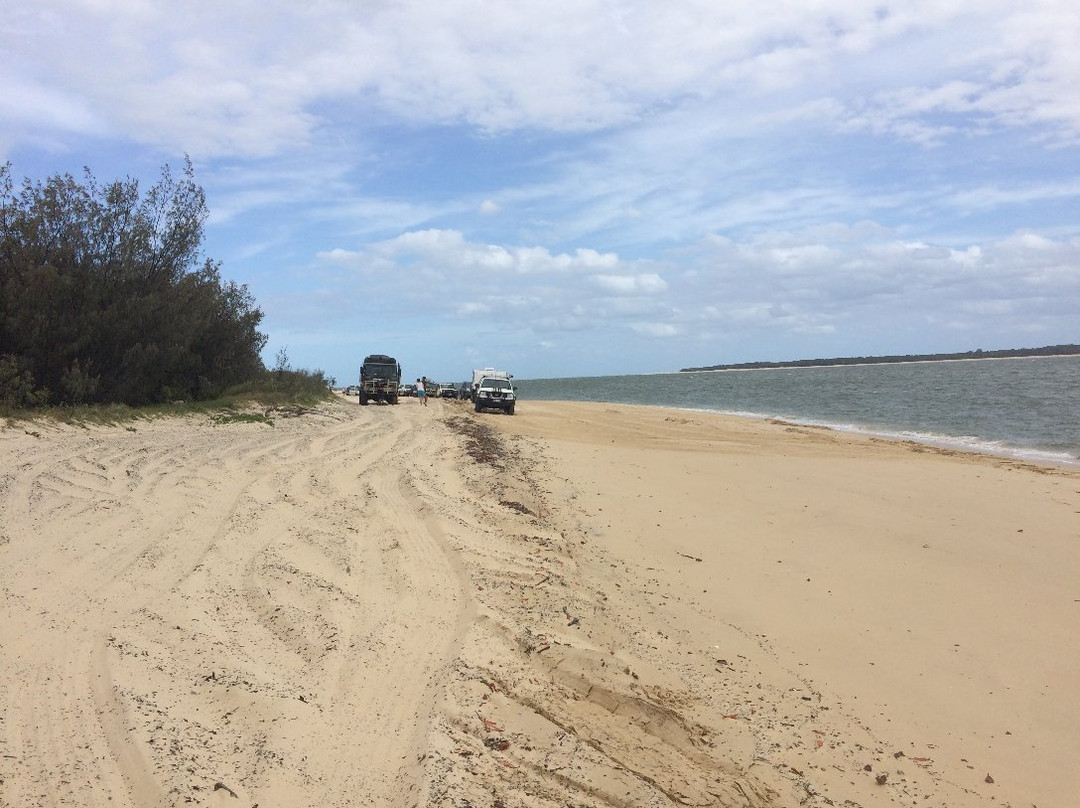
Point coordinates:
[(105, 295)]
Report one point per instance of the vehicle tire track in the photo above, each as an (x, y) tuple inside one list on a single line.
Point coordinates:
[(215, 624)]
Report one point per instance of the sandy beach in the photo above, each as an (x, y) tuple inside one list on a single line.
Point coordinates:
[(580, 605)]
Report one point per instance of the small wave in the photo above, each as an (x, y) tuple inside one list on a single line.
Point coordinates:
[(1016, 409), (961, 443), (970, 443)]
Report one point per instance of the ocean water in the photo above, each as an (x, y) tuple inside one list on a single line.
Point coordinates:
[(1025, 408)]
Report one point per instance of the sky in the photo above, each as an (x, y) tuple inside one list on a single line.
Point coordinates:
[(588, 187)]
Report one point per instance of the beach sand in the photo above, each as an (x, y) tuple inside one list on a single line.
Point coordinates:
[(580, 605)]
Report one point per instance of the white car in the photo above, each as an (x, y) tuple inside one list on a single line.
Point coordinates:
[(495, 394)]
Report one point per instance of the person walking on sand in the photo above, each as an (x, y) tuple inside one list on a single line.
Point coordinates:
[(420, 393)]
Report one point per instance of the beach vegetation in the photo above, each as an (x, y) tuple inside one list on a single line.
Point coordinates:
[(107, 299), (286, 391), (899, 359)]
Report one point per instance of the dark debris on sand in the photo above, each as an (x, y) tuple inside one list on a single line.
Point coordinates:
[(482, 442)]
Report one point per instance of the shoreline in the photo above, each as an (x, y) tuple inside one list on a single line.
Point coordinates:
[(925, 593), (966, 445), (931, 406)]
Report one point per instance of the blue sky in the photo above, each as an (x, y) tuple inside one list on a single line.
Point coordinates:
[(589, 187)]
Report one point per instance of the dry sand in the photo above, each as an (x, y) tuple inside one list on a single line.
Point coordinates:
[(582, 605)]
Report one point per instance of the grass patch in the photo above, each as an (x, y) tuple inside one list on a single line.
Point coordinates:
[(292, 392)]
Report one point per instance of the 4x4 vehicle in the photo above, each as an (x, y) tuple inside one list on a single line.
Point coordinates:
[(479, 374), (495, 394), (380, 376)]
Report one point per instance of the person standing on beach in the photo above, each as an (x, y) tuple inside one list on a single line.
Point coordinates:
[(420, 393)]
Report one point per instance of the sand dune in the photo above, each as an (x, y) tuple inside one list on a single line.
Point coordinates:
[(581, 605)]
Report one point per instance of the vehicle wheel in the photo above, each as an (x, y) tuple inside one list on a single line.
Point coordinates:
[(476, 406), (392, 399), (510, 410), (363, 399)]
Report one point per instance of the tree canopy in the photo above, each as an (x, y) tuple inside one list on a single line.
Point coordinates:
[(105, 296)]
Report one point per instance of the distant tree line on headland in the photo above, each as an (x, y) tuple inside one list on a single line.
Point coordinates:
[(105, 296), (1049, 350)]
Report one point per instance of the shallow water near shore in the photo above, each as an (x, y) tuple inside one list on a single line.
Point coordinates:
[(1028, 408)]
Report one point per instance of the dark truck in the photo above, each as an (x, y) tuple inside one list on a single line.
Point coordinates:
[(380, 376)]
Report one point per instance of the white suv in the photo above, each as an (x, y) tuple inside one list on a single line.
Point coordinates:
[(495, 393)]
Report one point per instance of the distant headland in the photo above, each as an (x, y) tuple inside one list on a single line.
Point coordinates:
[(1049, 350)]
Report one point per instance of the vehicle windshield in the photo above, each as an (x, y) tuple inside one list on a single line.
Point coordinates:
[(496, 384), (380, 371)]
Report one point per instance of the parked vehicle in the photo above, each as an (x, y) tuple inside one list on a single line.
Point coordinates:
[(486, 373), (495, 393), (380, 376), (448, 390)]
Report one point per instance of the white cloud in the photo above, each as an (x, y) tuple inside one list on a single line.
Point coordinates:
[(879, 279), (646, 283), (449, 249), (657, 330), (340, 256), (815, 284), (692, 171), (33, 105), (470, 308), (987, 197), (542, 292), (253, 78)]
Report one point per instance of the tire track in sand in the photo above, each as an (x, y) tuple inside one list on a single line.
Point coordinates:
[(69, 571), (227, 615)]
